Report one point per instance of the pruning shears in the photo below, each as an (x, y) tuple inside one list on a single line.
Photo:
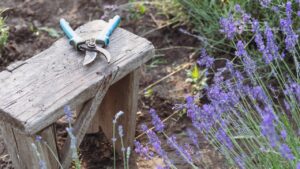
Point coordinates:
[(89, 46)]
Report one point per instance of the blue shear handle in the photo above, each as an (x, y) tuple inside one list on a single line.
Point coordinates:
[(72, 36), (108, 30)]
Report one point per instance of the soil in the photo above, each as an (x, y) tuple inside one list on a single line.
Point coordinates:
[(27, 20)]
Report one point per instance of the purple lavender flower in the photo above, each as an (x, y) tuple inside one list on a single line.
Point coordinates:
[(275, 9), (144, 127), (238, 8), (245, 16), (286, 25), (287, 105), (240, 49), (283, 134), (255, 26), (42, 164), (191, 107), (38, 138), (68, 113), (239, 160), (218, 77), (271, 50), (249, 64), (288, 9), (258, 37), (143, 151), (298, 165), (156, 144), (158, 124), (159, 167), (259, 42), (189, 100), (206, 116), (179, 149), (194, 137), (205, 59), (286, 152), (293, 88), (265, 3), (229, 66), (223, 138), (228, 27), (268, 127), (258, 93)]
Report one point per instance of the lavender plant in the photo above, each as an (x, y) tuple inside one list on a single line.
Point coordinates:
[(73, 145), (37, 148), (114, 139), (252, 114)]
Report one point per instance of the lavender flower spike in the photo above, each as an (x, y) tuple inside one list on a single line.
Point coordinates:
[(42, 163), (240, 49), (228, 27), (180, 150), (286, 25), (38, 138), (120, 113), (271, 52), (265, 3), (286, 152), (156, 144), (121, 134), (224, 139), (142, 150), (68, 113), (205, 59), (194, 137), (158, 124)]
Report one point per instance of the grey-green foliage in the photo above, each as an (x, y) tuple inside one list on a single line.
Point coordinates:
[(204, 15)]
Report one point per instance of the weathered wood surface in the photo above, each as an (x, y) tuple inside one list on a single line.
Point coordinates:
[(32, 96), (22, 152), (122, 95), (85, 118)]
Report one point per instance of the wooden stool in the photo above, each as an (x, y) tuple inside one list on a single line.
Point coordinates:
[(33, 94)]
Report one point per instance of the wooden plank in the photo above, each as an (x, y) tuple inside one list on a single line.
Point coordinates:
[(122, 95), (11, 145), (50, 153), (33, 96), (21, 151)]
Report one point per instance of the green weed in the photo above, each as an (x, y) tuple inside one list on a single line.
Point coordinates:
[(3, 32)]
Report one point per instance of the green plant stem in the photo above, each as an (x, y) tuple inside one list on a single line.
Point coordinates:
[(123, 151), (114, 144), (54, 155)]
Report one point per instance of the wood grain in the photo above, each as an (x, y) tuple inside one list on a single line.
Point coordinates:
[(121, 96), (21, 151), (33, 95)]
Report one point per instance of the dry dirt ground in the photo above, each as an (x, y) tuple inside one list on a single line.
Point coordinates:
[(28, 20)]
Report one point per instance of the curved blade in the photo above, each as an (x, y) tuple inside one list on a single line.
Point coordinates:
[(89, 57), (105, 53)]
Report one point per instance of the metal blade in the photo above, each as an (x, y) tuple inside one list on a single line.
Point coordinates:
[(105, 53), (89, 57)]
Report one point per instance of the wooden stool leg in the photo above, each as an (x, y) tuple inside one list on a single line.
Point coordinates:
[(123, 95), (22, 152)]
